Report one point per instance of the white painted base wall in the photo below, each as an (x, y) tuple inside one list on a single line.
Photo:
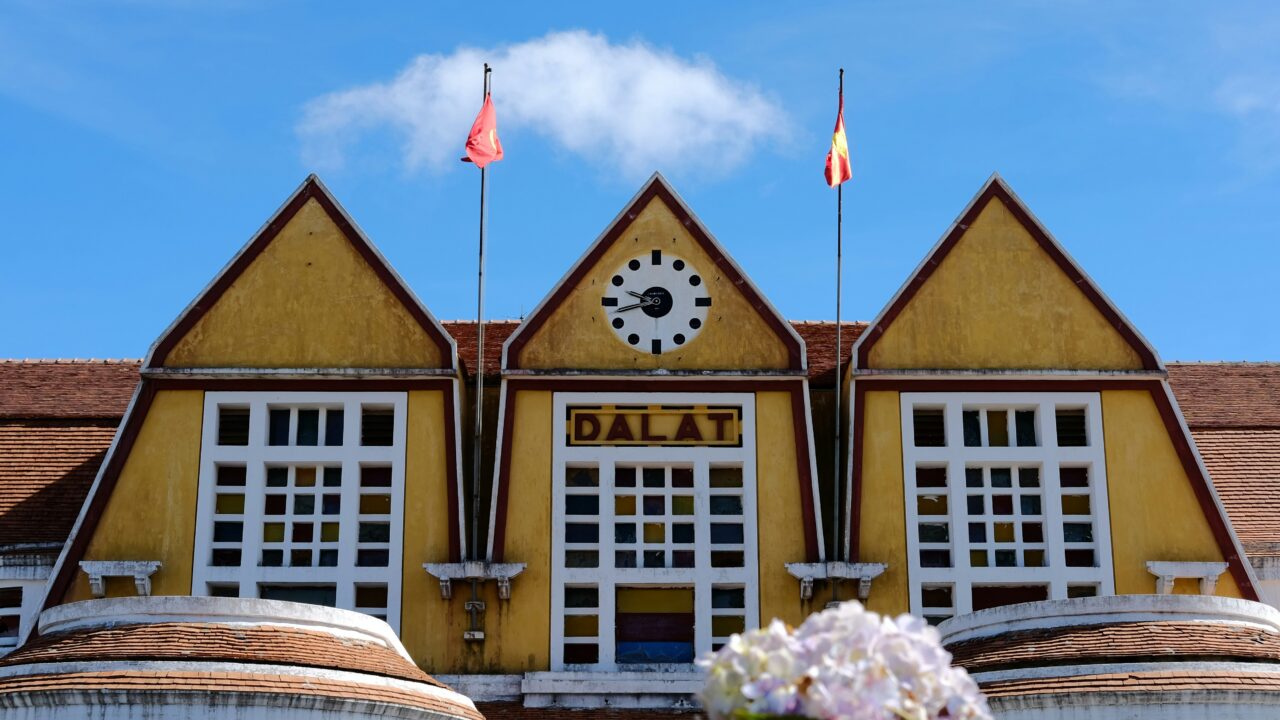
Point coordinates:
[(1189, 705), (160, 705)]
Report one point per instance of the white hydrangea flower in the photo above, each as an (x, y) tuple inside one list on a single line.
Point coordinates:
[(841, 664)]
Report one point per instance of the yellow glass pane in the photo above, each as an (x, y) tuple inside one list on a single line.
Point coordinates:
[(375, 504), (304, 477), (931, 505), (726, 477), (655, 532), (329, 532), (624, 505), (1004, 532), (997, 428), (726, 625), (656, 600), (1033, 558), (682, 505), (1075, 504), (977, 558), (230, 505), (581, 626), (273, 532)]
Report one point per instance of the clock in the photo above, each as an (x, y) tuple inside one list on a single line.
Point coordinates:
[(656, 303)]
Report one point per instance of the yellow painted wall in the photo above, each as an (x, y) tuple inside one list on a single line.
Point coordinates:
[(882, 524), (426, 620), (151, 513), (998, 301), (577, 335), (779, 519), (309, 300), (1154, 511)]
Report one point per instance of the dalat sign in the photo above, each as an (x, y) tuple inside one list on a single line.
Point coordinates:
[(655, 425)]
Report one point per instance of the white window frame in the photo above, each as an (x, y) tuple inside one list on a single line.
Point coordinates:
[(257, 454), (956, 456), (28, 609), (702, 577)]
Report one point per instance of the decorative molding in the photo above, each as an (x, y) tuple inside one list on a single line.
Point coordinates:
[(99, 570), (502, 573), (864, 573), (1167, 571)]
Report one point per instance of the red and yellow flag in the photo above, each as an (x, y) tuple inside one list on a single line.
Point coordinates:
[(838, 167), (483, 146)]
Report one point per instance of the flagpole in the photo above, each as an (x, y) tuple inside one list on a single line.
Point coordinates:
[(479, 369), (839, 380)]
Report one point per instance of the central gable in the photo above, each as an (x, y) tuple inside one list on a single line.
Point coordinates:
[(999, 293), (591, 320), (308, 291)]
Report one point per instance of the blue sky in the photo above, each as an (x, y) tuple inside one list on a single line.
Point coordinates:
[(142, 143)]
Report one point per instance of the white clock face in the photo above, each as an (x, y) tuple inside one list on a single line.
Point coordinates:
[(656, 303)]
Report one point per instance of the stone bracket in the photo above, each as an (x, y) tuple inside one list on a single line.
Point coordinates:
[(99, 570), (1167, 571), (502, 573), (864, 573)]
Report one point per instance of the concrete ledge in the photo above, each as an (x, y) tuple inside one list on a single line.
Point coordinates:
[(672, 690), (1107, 610)]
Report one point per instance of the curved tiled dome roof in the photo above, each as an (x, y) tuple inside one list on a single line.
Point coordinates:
[(1140, 652), (229, 657)]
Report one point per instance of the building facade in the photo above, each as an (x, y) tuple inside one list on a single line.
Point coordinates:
[(658, 468)]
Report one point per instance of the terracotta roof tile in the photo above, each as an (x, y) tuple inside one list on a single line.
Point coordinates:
[(46, 467), (1245, 467), (1167, 681), (1127, 642), (207, 642), (66, 388), (1227, 395), (139, 681)]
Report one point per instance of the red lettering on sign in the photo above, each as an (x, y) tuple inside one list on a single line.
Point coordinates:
[(586, 427), (688, 429), (644, 431), (619, 430), (720, 419)]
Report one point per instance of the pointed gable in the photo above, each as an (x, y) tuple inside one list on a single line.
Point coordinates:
[(571, 329), (308, 291), (998, 292)]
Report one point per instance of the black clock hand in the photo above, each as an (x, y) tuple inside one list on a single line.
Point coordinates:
[(630, 307), (633, 293)]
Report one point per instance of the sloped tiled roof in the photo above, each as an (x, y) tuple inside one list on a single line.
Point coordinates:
[(208, 642), (1127, 642), (46, 467), (1227, 395), (66, 388), (1245, 467), (1131, 683)]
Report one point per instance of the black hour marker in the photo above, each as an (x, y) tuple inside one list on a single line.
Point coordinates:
[(634, 264), (702, 302), (618, 323), (617, 280), (695, 323), (657, 346), (633, 339), (609, 302), (694, 280), (678, 339), (679, 264), (656, 257)]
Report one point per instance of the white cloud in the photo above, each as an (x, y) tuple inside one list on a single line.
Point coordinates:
[(627, 107)]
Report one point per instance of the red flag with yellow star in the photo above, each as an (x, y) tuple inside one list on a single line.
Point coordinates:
[(483, 146), (838, 167)]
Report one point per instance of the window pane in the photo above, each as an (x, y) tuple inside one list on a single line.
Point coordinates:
[(330, 532), (1030, 504), (928, 427), (1001, 477), (655, 477), (972, 428), (228, 532), (655, 505), (1006, 558), (333, 419), (726, 477), (273, 532), (308, 427), (377, 426), (328, 558), (1077, 532), (375, 476), (1032, 532), (231, 475), (934, 533), (581, 654), (1073, 476), (1071, 428), (931, 505), (1078, 591), (582, 533), (935, 558), (277, 476), (304, 504), (581, 626), (332, 504), (233, 426), (624, 533), (721, 558), (997, 428), (1003, 532), (976, 505), (582, 477), (623, 559), (375, 504), (299, 558), (683, 505), (225, 590), (1025, 421), (304, 477), (1075, 504), (1080, 558), (1029, 477), (936, 596), (373, 558), (325, 595), (582, 505), (623, 477), (726, 533), (374, 532), (977, 532), (1002, 505), (226, 557), (10, 597), (278, 427), (229, 504), (581, 597), (931, 477), (581, 558), (682, 477), (655, 532), (371, 596), (624, 505), (655, 558), (985, 597), (725, 505), (272, 558), (728, 598), (973, 477)]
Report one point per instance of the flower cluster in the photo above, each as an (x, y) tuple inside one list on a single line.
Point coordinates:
[(841, 664)]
